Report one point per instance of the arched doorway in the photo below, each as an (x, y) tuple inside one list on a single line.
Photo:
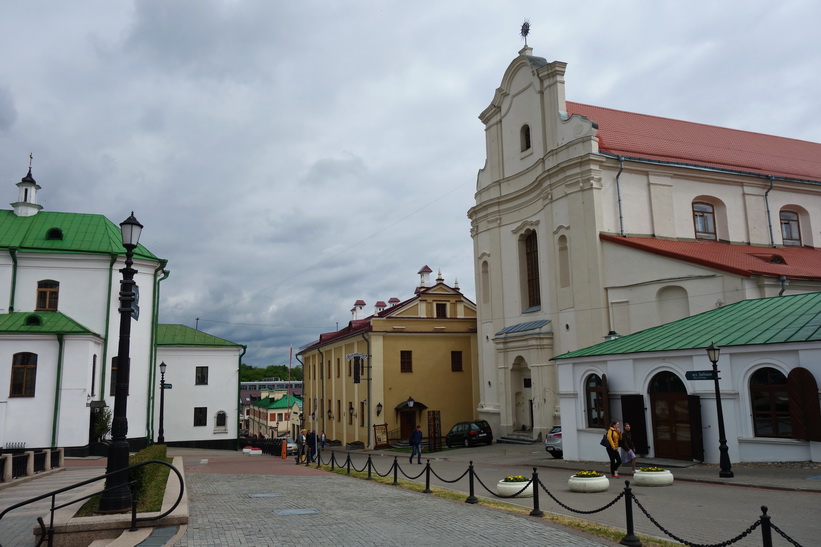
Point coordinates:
[(521, 392), (671, 416)]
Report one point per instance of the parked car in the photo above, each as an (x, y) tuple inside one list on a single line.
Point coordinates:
[(553, 442), (469, 434)]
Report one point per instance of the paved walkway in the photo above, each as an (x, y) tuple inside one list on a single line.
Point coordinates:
[(238, 499)]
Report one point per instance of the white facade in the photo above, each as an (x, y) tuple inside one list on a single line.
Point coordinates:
[(218, 395)]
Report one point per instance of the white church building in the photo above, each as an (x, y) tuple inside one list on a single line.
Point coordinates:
[(590, 221), (59, 333)]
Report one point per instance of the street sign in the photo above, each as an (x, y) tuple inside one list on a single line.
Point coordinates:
[(166, 386), (699, 375)]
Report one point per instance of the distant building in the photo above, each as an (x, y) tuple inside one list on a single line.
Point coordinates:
[(590, 221), (250, 392), (275, 415), (395, 366)]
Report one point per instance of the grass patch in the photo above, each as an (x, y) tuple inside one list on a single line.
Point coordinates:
[(598, 530), (149, 489)]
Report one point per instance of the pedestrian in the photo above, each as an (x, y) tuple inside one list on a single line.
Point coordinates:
[(300, 445), (627, 448), (322, 440), (311, 440), (416, 444), (613, 438)]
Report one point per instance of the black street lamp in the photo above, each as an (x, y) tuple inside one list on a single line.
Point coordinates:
[(161, 436), (117, 495), (724, 456)]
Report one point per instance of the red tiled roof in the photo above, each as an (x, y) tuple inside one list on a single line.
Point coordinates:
[(663, 139), (744, 260)]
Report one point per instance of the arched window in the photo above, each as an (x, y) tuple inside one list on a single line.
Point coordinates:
[(771, 403), (704, 219), (673, 303), (485, 283), (524, 135), (47, 293), (594, 397), (564, 262), (221, 419), (23, 374), (790, 228), (532, 293)]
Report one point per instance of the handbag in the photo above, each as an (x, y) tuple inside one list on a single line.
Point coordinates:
[(604, 442)]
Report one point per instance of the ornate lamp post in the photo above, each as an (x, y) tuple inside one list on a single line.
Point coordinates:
[(161, 436), (117, 495), (724, 456)]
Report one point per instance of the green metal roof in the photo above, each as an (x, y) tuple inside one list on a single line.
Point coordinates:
[(774, 320), (50, 322), (284, 402), (81, 233), (180, 335)]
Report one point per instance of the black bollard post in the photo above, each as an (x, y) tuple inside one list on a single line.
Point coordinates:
[(766, 530), (534, 483), (471, 498), (369, 468), (630, 539), (348, 463), (395, 472), (427, 489), (333, 460)]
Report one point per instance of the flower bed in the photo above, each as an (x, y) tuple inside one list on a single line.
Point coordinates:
[(652, 476), (511, 484), (588, 481)]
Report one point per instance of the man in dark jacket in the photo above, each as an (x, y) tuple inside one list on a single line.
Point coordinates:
[(416, 444), (310, 439)]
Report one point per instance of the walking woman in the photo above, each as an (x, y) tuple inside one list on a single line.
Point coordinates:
[(613, 439)]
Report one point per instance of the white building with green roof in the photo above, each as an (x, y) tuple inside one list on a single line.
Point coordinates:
[(769, 372), (59, 332)]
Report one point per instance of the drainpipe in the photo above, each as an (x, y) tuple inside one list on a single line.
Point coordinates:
[(769, 219), (303, 392), (239, 392), (152, 360), (58, 387), (321, 360), (103, 387), (13, 253), (784, 281), (618, 194), (368, 353)]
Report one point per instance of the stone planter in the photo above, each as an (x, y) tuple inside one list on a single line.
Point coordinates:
[(509, 488), (652, 478), (588, 484)]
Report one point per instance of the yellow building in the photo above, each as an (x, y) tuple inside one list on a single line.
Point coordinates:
[(403, 365)]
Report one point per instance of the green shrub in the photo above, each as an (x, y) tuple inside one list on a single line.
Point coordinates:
[(142, 476)]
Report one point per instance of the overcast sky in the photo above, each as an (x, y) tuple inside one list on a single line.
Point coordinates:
[(289, 158)]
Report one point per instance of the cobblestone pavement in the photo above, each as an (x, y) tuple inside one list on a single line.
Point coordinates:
[(274, 502), (277, 510)]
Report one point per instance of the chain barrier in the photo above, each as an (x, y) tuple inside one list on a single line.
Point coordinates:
[(739, 537), (554, 498), (785, 536), (353, 466), (462, 476), (388, 472)]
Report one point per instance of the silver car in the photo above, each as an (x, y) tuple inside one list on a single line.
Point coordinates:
[(553, 442)]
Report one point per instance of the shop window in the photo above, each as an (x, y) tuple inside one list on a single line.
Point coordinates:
[(594, 396), (771, 403)]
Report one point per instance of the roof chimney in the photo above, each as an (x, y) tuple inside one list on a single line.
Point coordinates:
[(393, 301), (380, 306), (424, 276), (358, 309)]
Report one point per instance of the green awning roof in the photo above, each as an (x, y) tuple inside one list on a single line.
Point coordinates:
[(64, 233), (284, 402), (40, 323), (774, 320), (180, 335)]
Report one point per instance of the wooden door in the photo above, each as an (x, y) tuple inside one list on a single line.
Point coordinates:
[(407, 423), (670, 412)]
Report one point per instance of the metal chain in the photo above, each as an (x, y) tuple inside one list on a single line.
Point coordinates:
[(388, 472), (408, 476), (353, 466), (455, 480), (785, 536), (739, 537), (528, 483), (577, 510)]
